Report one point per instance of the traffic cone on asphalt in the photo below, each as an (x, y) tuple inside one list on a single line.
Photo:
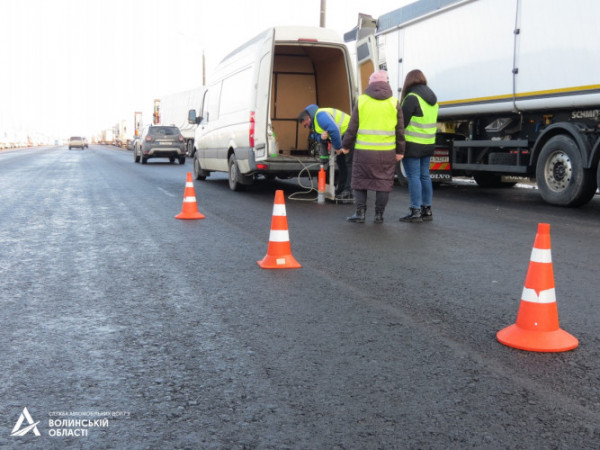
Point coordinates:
[(536, 328), (279, 252), (189, 209)]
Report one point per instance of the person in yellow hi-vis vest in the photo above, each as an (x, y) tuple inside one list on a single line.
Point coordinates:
[(376, 130), (420, 108), (330, 125)]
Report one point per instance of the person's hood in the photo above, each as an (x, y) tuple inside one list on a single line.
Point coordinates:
[(423, 91), (379, 90), (312, 110)]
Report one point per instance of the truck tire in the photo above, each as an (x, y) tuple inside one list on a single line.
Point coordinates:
[(189, 148), (199, 174), (561, 177)]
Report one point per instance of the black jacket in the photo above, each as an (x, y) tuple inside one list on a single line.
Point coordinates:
[(411, 108)]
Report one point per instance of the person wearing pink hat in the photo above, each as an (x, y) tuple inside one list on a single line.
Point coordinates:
[(376, 131)]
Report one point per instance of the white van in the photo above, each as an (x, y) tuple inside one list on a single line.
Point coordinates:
[(247, 123)]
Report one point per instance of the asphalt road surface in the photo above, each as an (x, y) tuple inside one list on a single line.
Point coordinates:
[(122, 327)]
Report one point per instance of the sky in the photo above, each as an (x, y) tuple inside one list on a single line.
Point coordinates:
[(70, 67)]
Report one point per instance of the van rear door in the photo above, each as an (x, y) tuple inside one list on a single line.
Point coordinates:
[(262, 107), (366, 50)]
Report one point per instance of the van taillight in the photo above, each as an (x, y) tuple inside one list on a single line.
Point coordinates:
[(252, 127)]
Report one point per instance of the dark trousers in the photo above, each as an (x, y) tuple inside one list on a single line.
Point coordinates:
[(381, 199), (344, 163)]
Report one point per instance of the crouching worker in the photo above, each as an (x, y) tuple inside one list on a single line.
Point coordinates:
[(376, 131), (330, 125)]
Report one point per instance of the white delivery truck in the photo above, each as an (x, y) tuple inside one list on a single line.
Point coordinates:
[(120, 137), (107, 136), (174, 111), (247, 122), (518, 84)]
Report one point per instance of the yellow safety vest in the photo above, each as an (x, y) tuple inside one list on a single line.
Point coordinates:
[(421, 130), (340, 118), (378, 120)]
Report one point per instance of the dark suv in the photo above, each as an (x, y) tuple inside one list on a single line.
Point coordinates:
[(159, 141)]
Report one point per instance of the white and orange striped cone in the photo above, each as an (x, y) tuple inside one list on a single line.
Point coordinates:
[(189, 209), (279, 252), (537, 328)]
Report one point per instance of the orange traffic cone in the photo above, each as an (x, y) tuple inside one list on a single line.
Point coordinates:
[(279, 252), (536, 328), (189, 209)]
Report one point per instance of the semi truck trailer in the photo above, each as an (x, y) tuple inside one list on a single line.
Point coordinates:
[(518, 85), (174, 111)]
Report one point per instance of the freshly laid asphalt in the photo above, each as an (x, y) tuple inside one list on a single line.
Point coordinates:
[(111, 309)]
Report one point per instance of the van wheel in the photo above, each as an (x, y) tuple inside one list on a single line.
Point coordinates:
[(234, 183), (199, 174), (561, 177), (401, 179)]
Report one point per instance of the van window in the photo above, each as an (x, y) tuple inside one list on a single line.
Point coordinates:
[(235, 92), (210, 108)]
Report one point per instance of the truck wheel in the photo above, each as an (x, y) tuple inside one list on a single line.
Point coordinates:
[(234, 183), (561, 177), (189, 148), (199, 174)]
